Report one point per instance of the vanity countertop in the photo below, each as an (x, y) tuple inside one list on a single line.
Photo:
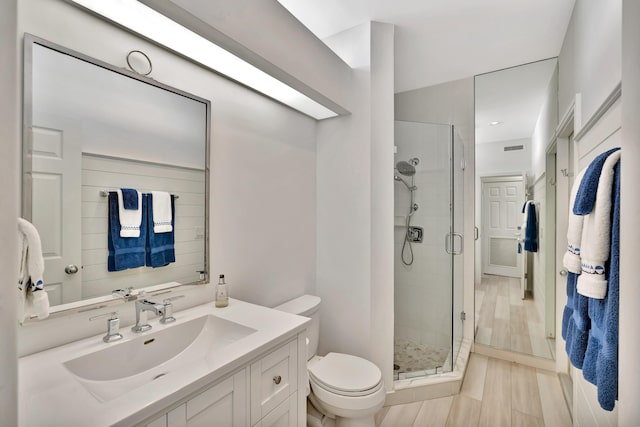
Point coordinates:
[(50, 395)]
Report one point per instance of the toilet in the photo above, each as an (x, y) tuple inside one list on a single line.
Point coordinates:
[(344, 389)]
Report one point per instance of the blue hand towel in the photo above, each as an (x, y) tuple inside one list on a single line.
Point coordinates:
[(160, 246), (601, 360), (575, 322), (531, 232), (124, 252), (130, 198), (586, 196)]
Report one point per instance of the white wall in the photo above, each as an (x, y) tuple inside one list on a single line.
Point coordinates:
[(452, 103), (629, 380), (544, 128), (491, 159), (382, 77), (344, 221), (589, 61), (263, 169), (354, 199), (9, 194)]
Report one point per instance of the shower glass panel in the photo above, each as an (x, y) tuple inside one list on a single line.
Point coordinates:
[(427, 333)]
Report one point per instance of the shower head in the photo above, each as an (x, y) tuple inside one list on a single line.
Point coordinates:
[(405, 168)]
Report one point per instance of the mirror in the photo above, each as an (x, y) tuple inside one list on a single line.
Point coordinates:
[(89, 129), (515, 119)]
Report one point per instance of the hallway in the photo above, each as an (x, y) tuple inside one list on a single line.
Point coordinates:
[(494, 393)]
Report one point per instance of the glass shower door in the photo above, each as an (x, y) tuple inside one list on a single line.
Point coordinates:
[(425, 244)]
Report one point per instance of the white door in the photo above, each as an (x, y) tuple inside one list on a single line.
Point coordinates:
[(56, 205), (502, 200)]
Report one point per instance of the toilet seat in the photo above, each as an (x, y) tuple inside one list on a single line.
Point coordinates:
[(345, 375)]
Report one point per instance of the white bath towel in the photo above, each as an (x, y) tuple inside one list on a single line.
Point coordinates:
[(32, 298), (130, 219), (161, 204), (596, 236), (571, 259)]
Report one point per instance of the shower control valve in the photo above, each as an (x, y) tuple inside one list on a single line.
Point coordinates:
[(414, 234)]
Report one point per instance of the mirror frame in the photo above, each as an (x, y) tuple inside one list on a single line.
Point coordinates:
[(27, 141)]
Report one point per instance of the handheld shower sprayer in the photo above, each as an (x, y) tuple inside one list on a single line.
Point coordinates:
[(408, 168)]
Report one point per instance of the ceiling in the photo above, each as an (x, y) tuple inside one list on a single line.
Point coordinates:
[(438, 41), (513, 97), (442, 40)]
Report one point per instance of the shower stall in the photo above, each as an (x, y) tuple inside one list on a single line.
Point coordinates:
[(428, 253)]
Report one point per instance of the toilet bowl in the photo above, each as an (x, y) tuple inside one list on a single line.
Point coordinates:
[(343, 387)]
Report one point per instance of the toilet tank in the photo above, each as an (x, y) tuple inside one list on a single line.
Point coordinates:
[(307, 306)]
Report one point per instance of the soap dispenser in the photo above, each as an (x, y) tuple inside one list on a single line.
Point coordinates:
[(222, 293)]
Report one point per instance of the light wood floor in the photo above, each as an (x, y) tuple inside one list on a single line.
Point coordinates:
[(504, 320), (495, 393)]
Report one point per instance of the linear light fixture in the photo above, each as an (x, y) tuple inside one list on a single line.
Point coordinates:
[(145, 21)]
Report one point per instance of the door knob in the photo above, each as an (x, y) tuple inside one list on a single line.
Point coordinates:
[(71, 269), (563, 272)]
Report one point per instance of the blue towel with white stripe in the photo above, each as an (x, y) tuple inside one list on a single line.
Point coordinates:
[(160, 246), (124, 252)]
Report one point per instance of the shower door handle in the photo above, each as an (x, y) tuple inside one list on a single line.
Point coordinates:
[(458, 252), (448, 243)]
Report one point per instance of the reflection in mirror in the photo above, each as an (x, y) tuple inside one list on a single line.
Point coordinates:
[(515, 307), (91, 129)]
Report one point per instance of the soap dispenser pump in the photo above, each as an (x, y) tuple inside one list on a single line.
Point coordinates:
[(222, 293)]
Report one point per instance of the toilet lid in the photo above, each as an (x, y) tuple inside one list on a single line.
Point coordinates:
[(346, 374)]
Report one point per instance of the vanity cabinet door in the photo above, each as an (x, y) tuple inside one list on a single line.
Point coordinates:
[(273, 379), (224, 404)]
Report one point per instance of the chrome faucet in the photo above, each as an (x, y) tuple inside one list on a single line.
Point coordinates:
[(125, 294), (142, 306)]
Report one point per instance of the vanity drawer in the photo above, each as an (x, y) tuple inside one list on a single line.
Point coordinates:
[(273, 379), (284, 415)]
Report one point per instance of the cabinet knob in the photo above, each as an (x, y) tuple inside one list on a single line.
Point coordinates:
[(277, 379)]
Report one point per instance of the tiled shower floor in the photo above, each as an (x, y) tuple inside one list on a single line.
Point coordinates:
[(410, 356)]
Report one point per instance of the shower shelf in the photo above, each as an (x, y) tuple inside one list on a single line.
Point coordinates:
[(399, 221)]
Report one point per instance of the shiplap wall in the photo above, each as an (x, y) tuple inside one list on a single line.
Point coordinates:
[(109, 173), (604, 135)]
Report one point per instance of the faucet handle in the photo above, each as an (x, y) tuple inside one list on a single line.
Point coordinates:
[(168, 300), (122, 292), (167, 316), (113, 326)]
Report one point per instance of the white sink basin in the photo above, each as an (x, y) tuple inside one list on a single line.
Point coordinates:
[(121, 367)]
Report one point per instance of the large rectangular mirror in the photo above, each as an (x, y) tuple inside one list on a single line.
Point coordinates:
[(515, 119), (90, 129)]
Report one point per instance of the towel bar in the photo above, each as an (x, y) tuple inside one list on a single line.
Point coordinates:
[(105, 193)]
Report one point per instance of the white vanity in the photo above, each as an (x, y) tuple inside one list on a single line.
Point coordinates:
[(243, 365)]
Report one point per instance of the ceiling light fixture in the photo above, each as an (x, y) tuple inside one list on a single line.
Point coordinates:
[(494, 123), (147, 22)]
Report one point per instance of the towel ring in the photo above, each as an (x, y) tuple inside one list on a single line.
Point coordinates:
[(145, 56)]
